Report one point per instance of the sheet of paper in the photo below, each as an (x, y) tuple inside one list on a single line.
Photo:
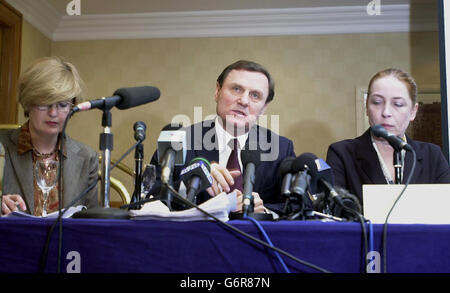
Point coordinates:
[(219, 206), (54, 215)]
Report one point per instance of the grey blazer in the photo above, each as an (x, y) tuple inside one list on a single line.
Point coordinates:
[(79, 171)]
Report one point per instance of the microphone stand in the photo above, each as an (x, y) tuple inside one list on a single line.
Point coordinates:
[(165, 194), (138, 157), (106, 146), (251, 213), (398, 166)]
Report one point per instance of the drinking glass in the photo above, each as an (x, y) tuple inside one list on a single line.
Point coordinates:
[(46, 174)]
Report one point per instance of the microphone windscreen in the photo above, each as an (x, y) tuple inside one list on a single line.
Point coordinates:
[(379, 131), (250, 156), (305, 159), (174, 137), (199, 167), (286, 166), (135, 96), (197, 159), (172, 126), (139, 124)]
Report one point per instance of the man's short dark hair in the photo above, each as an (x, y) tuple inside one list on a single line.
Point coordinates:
[(249, 66)]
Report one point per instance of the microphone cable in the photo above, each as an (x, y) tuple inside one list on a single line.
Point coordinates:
[(360, 218), (261, 229), (43, 261), (390, 211), (60, 186), (246, 235), (371, 248)]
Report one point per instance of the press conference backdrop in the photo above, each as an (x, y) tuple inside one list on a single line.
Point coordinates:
[(444, 59)]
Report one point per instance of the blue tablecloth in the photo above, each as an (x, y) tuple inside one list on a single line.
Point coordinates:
[(113, 246)]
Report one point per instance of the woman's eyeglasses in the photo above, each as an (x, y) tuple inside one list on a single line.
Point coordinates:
[(61, 107)]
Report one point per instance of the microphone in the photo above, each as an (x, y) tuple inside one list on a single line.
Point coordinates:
[(123, 98), (171, 149), (250, 159), (139, 130), (302, 178), (139, 134), (196, 177), (285, 173), (321, 173), (395, 141), (348, 204), (322, 180)]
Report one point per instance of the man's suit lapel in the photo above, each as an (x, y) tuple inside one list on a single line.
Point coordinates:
[(208, 141)]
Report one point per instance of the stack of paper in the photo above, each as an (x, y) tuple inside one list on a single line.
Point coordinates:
[(54, 215), (219, 206)]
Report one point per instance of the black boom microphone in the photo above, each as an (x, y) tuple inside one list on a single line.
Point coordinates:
[(398, 144), (395, 141), (123, 98)]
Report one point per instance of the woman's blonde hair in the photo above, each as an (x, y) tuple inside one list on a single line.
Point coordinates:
[(47, 81)]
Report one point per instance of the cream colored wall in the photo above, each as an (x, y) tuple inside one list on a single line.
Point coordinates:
[(315, 75), (34, 45)]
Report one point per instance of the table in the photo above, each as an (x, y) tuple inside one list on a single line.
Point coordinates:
[(133, 246)]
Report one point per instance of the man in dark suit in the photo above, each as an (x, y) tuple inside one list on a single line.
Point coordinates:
[(243, 92)]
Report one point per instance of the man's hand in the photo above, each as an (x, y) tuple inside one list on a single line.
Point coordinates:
[(258, 202), (12, 202), (222, 179)]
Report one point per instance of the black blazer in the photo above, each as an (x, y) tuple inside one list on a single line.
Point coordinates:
[(355, 162), (267, 180)]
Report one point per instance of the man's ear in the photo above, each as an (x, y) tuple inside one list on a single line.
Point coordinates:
[(216, 96), (263, 110)]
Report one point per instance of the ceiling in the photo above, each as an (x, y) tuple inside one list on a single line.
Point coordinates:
[(135, 19), (147, 6)]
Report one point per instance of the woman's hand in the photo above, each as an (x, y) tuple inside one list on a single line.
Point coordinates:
[(12, 202)]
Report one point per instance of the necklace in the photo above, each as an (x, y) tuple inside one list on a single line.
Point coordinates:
[(43, 156)]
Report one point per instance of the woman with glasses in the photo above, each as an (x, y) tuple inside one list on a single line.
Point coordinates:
[(47, 91)]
